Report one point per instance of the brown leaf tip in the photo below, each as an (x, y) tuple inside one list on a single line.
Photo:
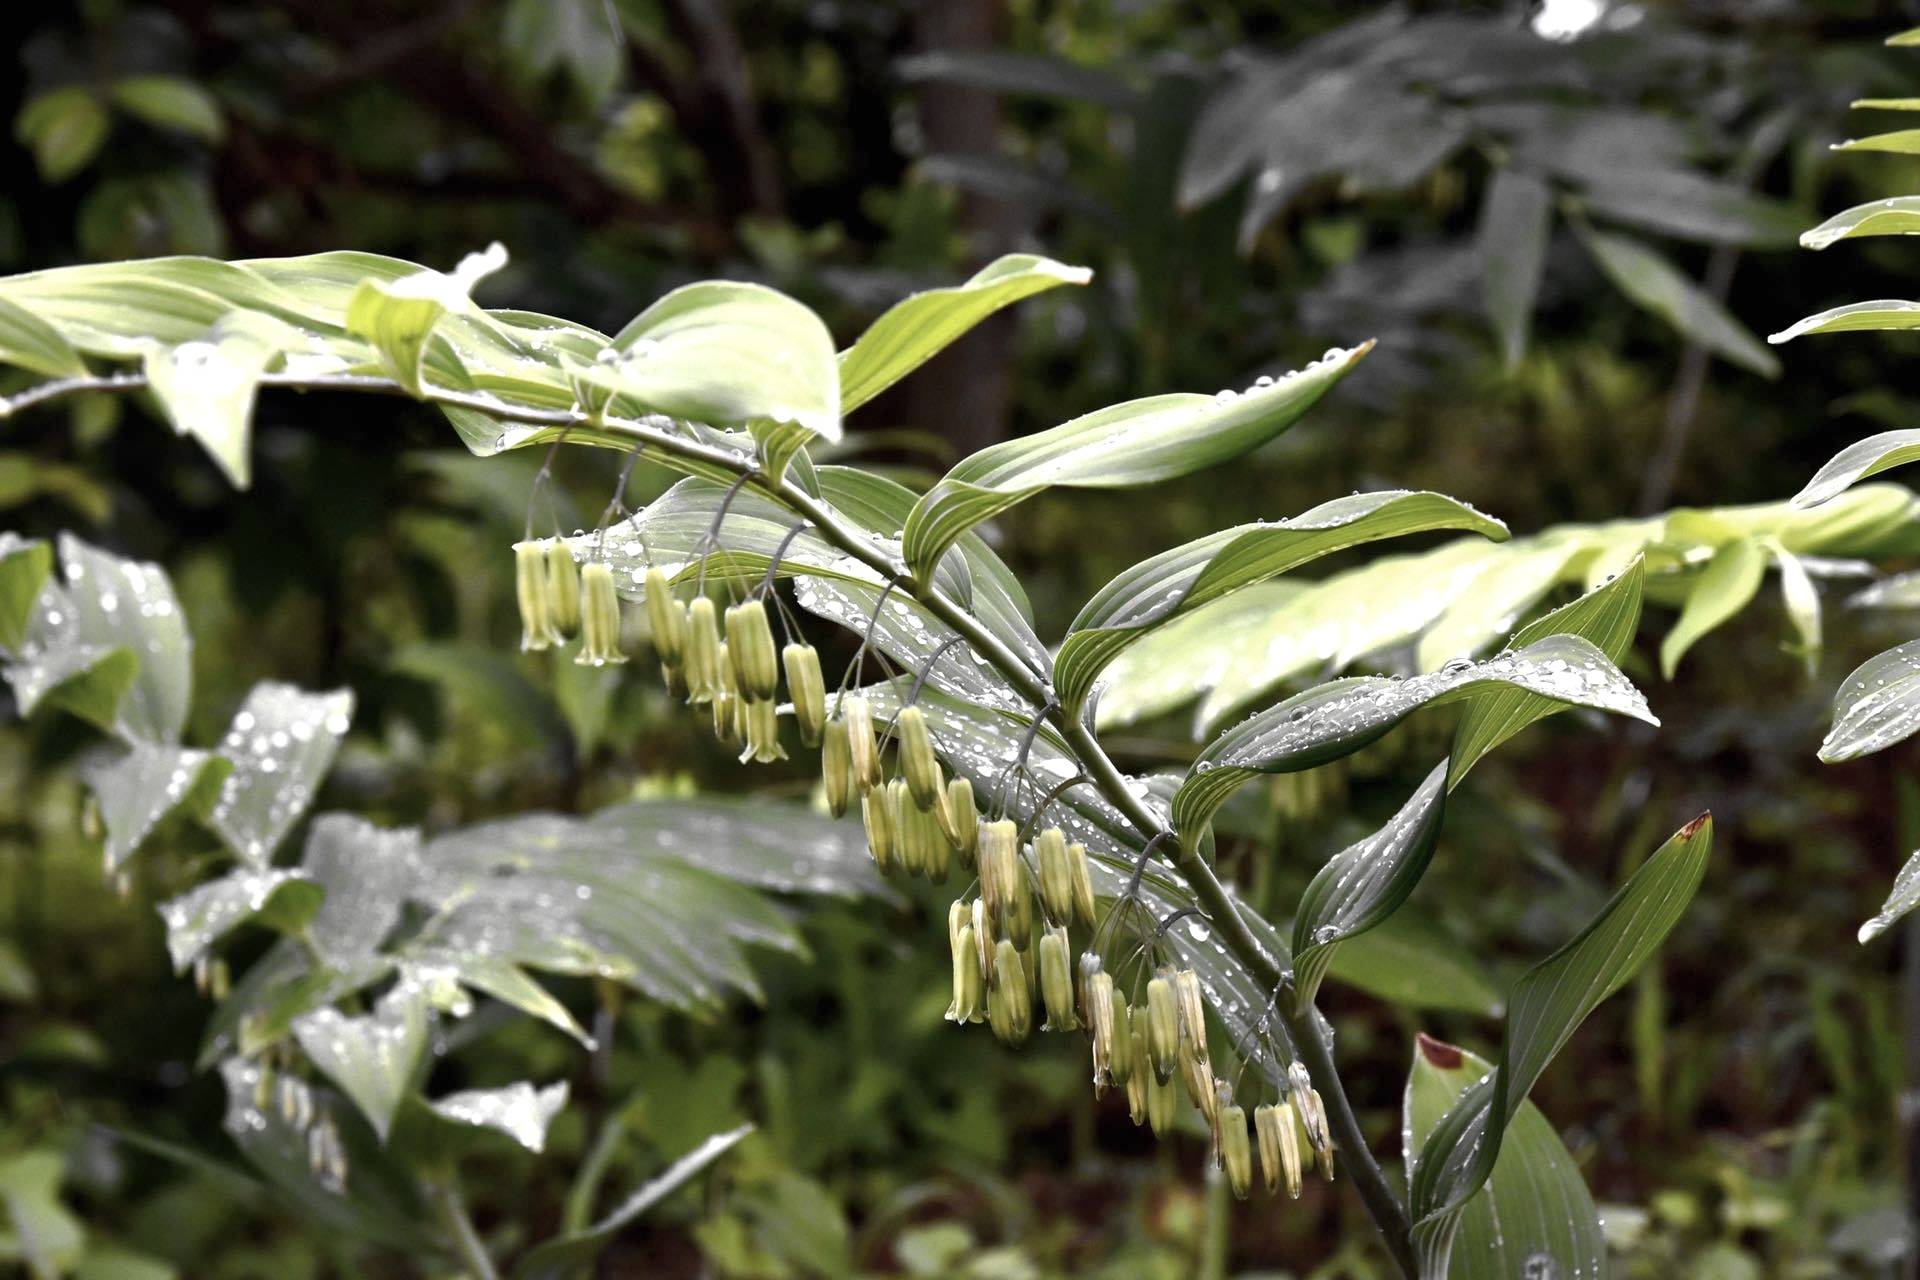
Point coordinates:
[(1438, 1052), (1692, 829)]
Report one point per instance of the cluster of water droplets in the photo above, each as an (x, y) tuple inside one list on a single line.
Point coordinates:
[(281, 743), (518, 1110)]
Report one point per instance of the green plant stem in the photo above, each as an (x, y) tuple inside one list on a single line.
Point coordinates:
[(451, 1210), (1307, 1030)]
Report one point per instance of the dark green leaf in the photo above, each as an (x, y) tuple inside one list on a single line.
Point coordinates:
[(1515, 220), (1657, 285)]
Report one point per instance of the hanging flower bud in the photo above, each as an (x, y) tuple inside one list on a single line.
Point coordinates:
[(983, 938), (1279, 1147), (1099, 999), (1137, 1093), (530, 589), (666, 618), (967, 980), (878, 816), (1235, 1150), (599, 610), (865, 748), (1313, 1116), (563, 586), (1196, 1073), (836, 767), (1122, 1065), (756, 663), (808, 689), (1080, 876), (917, 761), (763, 733), (703, 651), (1193, 1017), (907, 839), (999, 868), (1056, 882), (939, 852), (960, 820), (726, 700), (1056, 980), (1163, 1028), (1163, 1104), (1015, 1019)]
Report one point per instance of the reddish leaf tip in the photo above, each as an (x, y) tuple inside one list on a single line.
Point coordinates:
[(1694, 828), (1438, 1052)]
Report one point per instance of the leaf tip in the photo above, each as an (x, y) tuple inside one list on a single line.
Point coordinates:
[(1439, 1053), (1702, 825)]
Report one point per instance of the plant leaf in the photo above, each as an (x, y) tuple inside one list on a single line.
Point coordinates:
[(1408, 960), (1904, 897), (25, 566), (206, 387), (1535, 1204), (1883, 313), (1723, 589), (1339, 717), (911, 331), (281, 744), (1656, 285), (1898, 216), (398, 315), (1363, 884), (1515, 220), (31, 343), (1901, 142), (170, 102), (281, 897), (1548, 1003), (564, 1256), (1607, 616), (518, 1110), (1877, 705), (1189, 576), (66, 129), (136, 790), (371, 1056), (1862, 458), (1135, 443)]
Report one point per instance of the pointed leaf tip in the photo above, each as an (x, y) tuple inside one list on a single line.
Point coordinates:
[(1445, 1056)]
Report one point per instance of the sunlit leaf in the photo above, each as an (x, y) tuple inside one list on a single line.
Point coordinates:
[(280, 897), (1189, 576), (281, 744), (518, 1110), (1363, 884), (1901, 142), (134, 791), (1723, 589), (1877, 705), (206, 387), (914, 329), (1134, 443), (1884, 313), (31, 343), (1341, 716), (1862, 458), (371, 1056), (1896, 216), (397, 316)]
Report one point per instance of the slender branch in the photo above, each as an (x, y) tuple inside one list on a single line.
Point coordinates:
[(1309, 1032), (451, 1210)]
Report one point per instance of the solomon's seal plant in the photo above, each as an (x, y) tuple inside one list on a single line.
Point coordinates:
[(1088, 899)]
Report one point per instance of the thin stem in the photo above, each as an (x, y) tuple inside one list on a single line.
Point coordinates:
[(451, 1210), (1311, 1036)]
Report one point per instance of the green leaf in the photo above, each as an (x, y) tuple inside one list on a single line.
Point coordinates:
[(1189, 576), (1898, 216), (1723, 589), (1690, 205), (25, 566), (206, 387), (1535, 1204), (372, 1056), (1341, 716), (281, 743), (1904, 897), (49, 1238), (1410, 961), (1505, 588), (1877, 705), (1801, 599), (65, 128), (31, 343), (565, 1256), (732, 356), (1515, 220), (1856, 462), (170, 102), (280, 897), (911, 331), (1901, 142), (366, 873), (1135, 443), (1655, 284), (1548, 1003), (518, 1110), (136, 790), (1363, 884), (1898, 591), (398, 315), (1884, 313), (1607, 616)]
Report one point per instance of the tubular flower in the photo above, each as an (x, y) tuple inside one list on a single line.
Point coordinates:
[(1235, 1151), (960, 820), (861, 742), (530, 589), (1056, 980), (967, 979), (1100, 1022), (563, 587), (836, 767), (599, 609), (877, 814), (907, 833), (1279, 1147), (1080, 876), (1163, 1028), (1009, 1002), (763, 733), (666, 619), (703, 651), (917, 760), (1056, 881), (1124, 1063), (756, 664), (808, 689)]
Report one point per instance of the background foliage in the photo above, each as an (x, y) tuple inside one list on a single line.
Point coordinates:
[(1734, 1114)]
